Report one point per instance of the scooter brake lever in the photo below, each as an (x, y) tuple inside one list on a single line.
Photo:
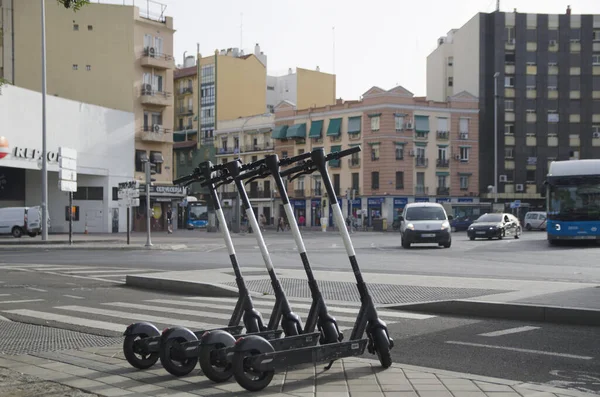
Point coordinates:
[(299, 174)]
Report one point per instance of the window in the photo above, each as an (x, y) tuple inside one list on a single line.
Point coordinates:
[(90, 28), (399, 119), (399, 180), (154, 155), (270, 88), (140, 157), (374, 180), (509, 58), (399, 151), (510, 34), (442, 124), (530, 81), (596, 59), (336, 184), (509, 152), (596, 35), (509, 129), (90, 193), (284, 154), (115, 193), (355, 181), (181, 158), (354, 124), (575, 36), (450, 81), (464, 182), (509, 105), (450, 61), (442, 153), (531, 58), (375, 123), (464, 127), (88, 67), (375, 152), (442, 181), (509, 81), (574, 83), (530, 176), (552, 82), (151, 119), (158, 43), (530, 105), (464, 153), (75, 67), (75, 27), (157, 83), (531, 35)]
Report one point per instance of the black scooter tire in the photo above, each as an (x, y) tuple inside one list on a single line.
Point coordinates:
[(132, 357), (217, 374), (174, 367), (245, 377), (381, 343), (329, 333)]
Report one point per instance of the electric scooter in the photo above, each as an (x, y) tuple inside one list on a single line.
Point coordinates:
[(318, 315), (182, 346), (254, 360), (142, 344)]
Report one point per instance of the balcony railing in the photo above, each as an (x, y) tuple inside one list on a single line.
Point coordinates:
[(155, 133), (151, 96), (259, 194), (152, 58), (421, 161), (443, 135), (228, 195), (421, 136), (422, 190), (353, 163), (299, 193), (443, 163), (317, 192), (185, 111), (185, 90), (228, 150), (443, 191), (258, 147)]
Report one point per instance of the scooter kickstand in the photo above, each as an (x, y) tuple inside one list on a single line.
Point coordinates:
[(329, 365)]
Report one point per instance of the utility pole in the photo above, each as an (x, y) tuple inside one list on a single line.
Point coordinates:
[(496, 75), (148, 209), (44, 150)]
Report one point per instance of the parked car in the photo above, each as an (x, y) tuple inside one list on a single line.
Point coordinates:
[(495, 226), (425, 223), (535, 220), (461, 223), (21, 220)]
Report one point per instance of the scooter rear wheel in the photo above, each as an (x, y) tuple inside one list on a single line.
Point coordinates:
[(246, 376), (217, 372), (138, 360), (381, 343), (173, 364)]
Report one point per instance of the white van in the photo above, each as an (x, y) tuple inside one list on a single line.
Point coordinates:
[(425, 223), (21, 220), (535, 220)]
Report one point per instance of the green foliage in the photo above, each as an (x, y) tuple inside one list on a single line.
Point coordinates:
[(74, 5)]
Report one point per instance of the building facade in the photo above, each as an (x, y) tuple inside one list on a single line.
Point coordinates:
[(412, 150), (306, 88), (548, 86), (104, 140), (115, 56)]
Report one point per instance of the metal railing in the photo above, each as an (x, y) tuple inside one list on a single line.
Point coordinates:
[(185, 90), (424, 190), (443, 191), (153, 53), (317, 192), (157, 128), (153, 92), (299, 193), (421, 161), (259, 194), (443, 163), (353, 163), (443, 135)]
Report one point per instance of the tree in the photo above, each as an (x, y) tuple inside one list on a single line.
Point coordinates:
[(74, 5)]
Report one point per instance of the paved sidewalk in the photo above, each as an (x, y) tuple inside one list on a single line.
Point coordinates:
[(104, 372)]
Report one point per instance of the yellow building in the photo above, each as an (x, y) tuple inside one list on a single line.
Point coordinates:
[(109, 55)]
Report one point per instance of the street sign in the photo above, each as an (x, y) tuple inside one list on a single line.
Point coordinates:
[(67, 175), (128, 194), (67, 186), (67, 153), (67, 172)]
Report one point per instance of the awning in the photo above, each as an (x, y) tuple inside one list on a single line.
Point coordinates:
[(279, 132), (316, 129), (156, 157), (354, 124), (422, 123), (296, 131), (334, 127)]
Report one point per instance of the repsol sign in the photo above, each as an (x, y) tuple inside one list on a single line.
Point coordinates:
[(33, 154)]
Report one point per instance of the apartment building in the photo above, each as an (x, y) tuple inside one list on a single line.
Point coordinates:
[(115, 56), (548, 85), (306, 88), (413, 150), (249, 139)]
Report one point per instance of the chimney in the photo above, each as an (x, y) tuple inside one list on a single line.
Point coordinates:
[(568, 10), (318, 68), (256, 49), (290, 71)]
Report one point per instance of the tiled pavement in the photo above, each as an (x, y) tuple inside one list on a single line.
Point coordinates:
[(104, 372)]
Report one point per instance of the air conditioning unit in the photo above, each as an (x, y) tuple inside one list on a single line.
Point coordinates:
[(457, 157), (151, 51), (519, 187), (156, 127), (408, 126), (147, 89), (503, 178), (552, 43), (464, 135), (596, 135), (412, 153)]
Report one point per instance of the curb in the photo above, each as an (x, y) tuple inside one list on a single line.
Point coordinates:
[(104, 247), (12, 243), (509, 311), (181, 286)]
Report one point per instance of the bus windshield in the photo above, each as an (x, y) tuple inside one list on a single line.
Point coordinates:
[(198, 213), (580, 202)]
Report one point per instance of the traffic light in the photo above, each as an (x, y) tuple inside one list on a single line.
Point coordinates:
[(150, 170)]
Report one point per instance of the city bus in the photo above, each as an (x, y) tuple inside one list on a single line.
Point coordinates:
[(573, 200), (196, 214)]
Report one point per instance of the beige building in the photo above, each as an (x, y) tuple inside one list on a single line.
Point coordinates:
[(109, 55)]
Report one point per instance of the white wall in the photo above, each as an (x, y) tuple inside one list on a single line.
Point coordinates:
[(466, 57), (103, 138), (286, 88), (437, 72)]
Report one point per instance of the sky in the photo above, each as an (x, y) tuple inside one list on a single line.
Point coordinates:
[(377, 43)]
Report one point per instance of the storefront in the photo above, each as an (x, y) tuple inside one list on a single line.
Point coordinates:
[(331, 221), (105, 158), (315, 212), (399, 204), (299, 207), (162, 198), (421, 199), (374, 209)]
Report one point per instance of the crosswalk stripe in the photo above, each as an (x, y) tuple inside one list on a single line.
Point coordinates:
[(55, 269), (23, 301), (110, 271), (332, 309), (68, 320), (138, 317), (4, 294)]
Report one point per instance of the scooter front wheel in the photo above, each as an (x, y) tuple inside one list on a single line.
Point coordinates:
[(172, 359), (218, 372), (381, 343), (137, 359), (247, 377)]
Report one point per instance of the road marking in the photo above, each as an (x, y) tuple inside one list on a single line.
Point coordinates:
[(515, 349), (332, 309), (110, 271), (4, 294), (74, 296), (23, 301), (140, 317), (215, 249), (69, 320), (510, 331), (37, 289)]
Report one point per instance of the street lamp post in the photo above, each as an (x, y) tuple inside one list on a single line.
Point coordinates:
[(44, 152), (496, 75)]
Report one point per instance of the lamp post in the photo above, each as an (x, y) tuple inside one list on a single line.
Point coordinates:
[(44, 149), (496, 75)]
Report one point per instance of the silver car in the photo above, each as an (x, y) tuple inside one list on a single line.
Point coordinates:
[(425, 223)]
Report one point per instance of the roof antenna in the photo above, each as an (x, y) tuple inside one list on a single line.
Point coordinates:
[(241, 30), (498, 5), (333, 30)]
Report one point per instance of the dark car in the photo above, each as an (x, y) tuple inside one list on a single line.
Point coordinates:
[(461, 223), (495, 226)]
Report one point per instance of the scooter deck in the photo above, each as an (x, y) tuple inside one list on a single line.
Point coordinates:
[(151, 344)]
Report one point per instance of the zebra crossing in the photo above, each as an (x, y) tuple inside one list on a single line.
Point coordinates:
[(98, 273), (191, 312)]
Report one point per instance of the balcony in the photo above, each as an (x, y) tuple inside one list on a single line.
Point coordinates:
[(421, 162), (443, 135), (421, 136), (299, 193), (443, 163), (421, 190), (259, 194), (227, 150), (155, 98), (259, 147), (185, 90), (151, 58), (317, 192), (155, 133), (228, 195), (354, 163), (185, 111), (443, 191)]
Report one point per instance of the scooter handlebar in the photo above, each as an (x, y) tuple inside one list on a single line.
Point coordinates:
[(303, 167), (291, 160), (342, 153), (186, 180)]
